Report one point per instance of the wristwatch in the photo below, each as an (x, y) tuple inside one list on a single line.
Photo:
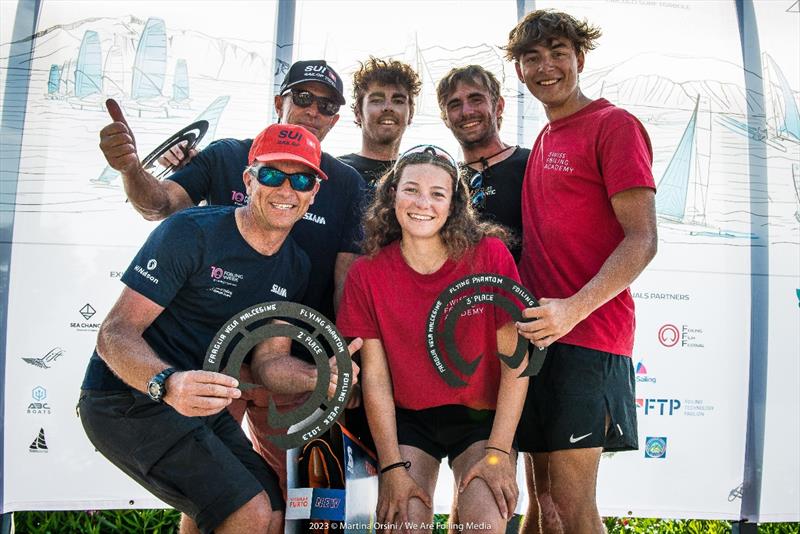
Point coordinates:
[(156, 388)]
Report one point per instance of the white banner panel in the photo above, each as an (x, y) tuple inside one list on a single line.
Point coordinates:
[(74, 233), (779, 23)]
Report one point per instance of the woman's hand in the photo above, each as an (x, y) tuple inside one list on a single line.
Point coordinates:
[(499, 473), (396, 488)]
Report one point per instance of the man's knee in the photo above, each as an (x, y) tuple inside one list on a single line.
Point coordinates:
[(256, 515)]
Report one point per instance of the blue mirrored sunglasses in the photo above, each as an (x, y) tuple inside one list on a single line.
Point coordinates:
[(272, 177)]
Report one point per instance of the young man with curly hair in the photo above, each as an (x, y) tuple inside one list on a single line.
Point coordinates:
[(383, 103), (589, 230)]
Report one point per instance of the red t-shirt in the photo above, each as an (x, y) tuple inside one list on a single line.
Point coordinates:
[(386, 299), (569, 228)]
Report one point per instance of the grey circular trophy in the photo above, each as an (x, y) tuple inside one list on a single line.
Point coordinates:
[(441, 331), (234, 340)]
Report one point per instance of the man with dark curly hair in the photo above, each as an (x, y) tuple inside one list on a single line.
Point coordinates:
[(383, 103), (589, 226)]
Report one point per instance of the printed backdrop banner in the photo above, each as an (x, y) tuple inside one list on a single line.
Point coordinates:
[(74, 233)]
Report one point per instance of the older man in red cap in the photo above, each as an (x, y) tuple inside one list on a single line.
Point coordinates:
[(145, 402)]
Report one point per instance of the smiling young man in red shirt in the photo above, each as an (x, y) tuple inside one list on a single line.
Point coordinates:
[(589, 229)]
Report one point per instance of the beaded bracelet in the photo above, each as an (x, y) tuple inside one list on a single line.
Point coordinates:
[(389, 467)]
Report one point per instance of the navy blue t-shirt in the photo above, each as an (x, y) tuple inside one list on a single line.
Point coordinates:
[(197, 265), (331, 225)]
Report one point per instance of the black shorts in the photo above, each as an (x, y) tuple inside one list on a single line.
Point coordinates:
[(203, 466), (444, 430), (569, 399)]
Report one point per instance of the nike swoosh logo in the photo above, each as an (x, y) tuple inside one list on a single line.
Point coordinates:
[(573, 439)]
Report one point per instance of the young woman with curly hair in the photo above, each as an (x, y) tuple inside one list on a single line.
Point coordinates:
[(421, 236)]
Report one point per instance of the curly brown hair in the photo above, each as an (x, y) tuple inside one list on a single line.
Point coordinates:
[(391, 72), (543, 25), (460, 232)]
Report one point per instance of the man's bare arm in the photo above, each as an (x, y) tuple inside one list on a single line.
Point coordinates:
[(121, 346), (152, 198), (636, 213)]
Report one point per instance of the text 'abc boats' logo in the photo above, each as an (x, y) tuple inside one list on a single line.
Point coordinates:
[(39, 406), (684, 336), (655, 447), (87, 311)]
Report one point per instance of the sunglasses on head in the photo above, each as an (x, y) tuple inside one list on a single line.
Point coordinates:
[(435, 151), (272, 177), (304, 99)]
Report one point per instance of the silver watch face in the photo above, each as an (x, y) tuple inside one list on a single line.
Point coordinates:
[(155, 389)]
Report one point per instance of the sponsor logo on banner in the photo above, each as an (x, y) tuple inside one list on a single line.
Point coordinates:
[(655, 447), (659, 406), (669, 335), (654, 295), (87, 311), (38, 406), (46, 361), (641, 373), (39, 444), (686, 407), (685, 336), (697, 408)]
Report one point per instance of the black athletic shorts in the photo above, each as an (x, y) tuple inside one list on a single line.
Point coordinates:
[(203, 466), (568, 401), (444, 430)]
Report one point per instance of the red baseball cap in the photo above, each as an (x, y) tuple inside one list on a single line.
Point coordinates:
[(287, 142)]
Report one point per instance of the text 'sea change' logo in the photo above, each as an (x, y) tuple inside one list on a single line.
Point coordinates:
[(441, 330), (253, 325)]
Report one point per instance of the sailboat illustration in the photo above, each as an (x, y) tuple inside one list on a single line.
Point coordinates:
[(785, 119), (672, 190), (39, 444), (88, 87), (796, 180), (54, 83), (783, 123), (180, 85), (149, 71)]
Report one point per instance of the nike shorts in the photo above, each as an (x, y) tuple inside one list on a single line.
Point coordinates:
[(203, 466), (444, 430), (569, 399)]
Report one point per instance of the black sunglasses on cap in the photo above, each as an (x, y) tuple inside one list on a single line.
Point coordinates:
[(304, 99), (272, 177)]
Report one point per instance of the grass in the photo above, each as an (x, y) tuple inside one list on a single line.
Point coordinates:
[(166, 522)]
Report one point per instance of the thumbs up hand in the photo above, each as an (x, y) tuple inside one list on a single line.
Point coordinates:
[(118, 143)]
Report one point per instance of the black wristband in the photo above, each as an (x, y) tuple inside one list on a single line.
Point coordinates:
[(496, 449), (389, 467)]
